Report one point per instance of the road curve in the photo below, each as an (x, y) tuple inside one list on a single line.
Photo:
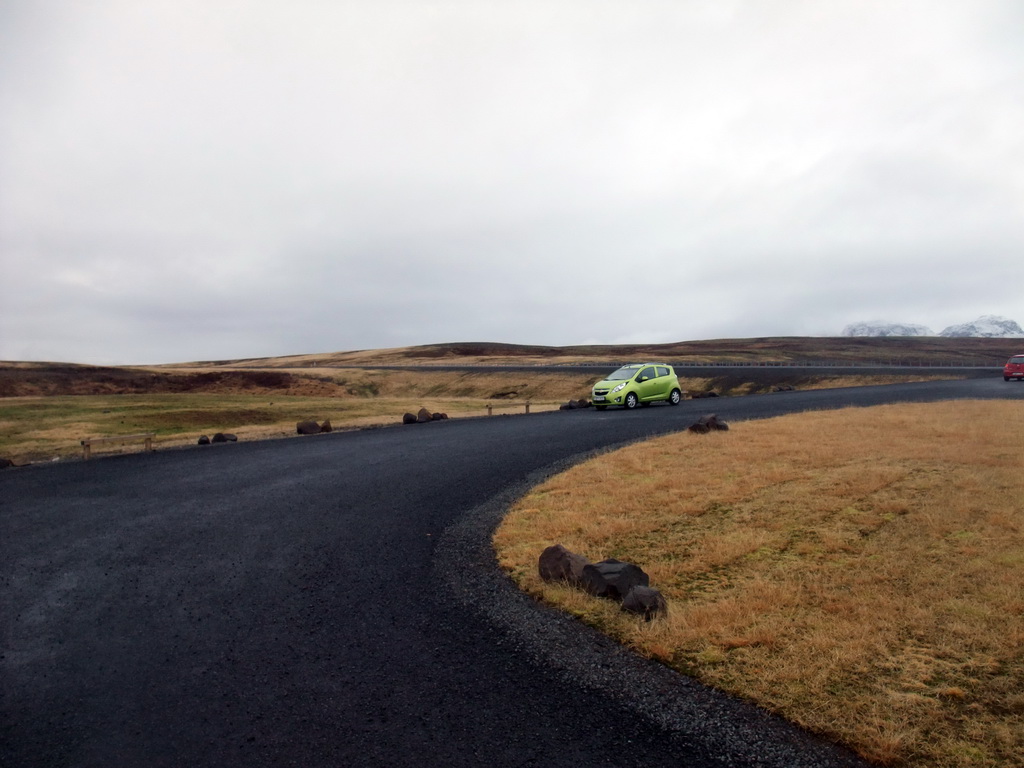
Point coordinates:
[(332, 601)]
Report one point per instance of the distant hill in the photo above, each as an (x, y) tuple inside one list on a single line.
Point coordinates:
[(797, 349), (301, 374)]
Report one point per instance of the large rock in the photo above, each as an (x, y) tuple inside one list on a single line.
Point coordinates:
[(708, 423), (204, 440), (557, 563), (5, 463), (307, 428), (613, 578), (224, 437), (645, 601), (326, 426), (424, 416), (409, 418)]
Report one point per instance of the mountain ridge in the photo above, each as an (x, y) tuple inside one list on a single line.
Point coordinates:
[(985, 327)]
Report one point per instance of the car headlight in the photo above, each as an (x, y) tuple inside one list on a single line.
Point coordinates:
[(618, 387)]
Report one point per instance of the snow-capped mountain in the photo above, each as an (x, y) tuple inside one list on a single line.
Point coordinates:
[(988, 326), (882, 328)]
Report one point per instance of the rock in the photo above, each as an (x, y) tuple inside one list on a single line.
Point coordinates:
[(613, 578), (423, 416), (707, 423), (438, 416), (573, 405), (557, 563), (224, 437), (307, 428), (326, 426), (204, 440), (409, 418), (645, 601), (783, 388), (5, 463)]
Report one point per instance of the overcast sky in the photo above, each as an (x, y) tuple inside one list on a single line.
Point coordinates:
[(203, 179)]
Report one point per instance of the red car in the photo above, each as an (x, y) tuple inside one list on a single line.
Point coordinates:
[(1014, 368)]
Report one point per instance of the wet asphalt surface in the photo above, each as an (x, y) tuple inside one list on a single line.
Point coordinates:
[(333, 601)]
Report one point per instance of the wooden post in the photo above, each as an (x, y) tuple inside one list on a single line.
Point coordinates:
[(85, 449), (490, 409), (527, 406)]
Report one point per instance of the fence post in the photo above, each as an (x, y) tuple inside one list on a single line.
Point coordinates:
[(527, 406), (490, 408)]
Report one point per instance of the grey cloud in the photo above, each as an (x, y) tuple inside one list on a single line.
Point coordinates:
[(351, 175)]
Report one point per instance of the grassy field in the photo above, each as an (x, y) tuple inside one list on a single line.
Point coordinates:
[(179, 405), (860, 571), (37, 428)]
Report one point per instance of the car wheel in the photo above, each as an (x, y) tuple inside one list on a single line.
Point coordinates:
[(675, 397), (631, 401), (1006, 378)]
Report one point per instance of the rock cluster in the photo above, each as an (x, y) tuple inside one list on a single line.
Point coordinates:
[(219, 437), (612, 579), (312, 427), (422, 417), (573, 405), (697, 395), (708, 423)]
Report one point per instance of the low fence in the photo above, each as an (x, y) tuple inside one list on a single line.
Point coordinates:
[(88, 442), (513, 406)]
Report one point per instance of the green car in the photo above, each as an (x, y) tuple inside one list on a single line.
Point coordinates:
[(640, 384)]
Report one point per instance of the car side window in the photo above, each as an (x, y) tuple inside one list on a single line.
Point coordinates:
[(646, 373), (662, 370)]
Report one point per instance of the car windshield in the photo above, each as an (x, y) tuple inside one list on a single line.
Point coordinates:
[(623, 373)]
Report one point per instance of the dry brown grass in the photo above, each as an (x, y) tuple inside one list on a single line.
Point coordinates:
[(859, 571), (42, 428)]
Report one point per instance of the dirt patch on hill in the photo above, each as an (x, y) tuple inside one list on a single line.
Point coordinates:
[(47, 380)]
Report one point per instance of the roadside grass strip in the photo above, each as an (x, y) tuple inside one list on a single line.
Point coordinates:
[(860, 572)]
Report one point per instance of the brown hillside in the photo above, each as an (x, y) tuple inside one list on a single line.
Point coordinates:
[(47, 379), (896, 350)]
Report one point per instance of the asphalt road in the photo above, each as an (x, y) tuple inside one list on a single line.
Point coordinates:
[(332, 601)]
